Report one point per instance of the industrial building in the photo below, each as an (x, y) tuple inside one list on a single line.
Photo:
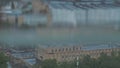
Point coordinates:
[(85, 12), (69, 53)]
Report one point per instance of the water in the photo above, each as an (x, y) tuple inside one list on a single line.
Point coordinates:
[(58, 36)]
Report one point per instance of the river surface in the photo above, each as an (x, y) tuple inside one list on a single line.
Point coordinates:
[(58, 36)]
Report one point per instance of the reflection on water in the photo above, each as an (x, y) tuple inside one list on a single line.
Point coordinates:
[(58, 36)]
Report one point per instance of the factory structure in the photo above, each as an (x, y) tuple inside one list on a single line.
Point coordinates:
[(70, 53), (64, 12)]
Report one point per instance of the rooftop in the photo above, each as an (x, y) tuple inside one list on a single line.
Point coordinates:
[(30, 61), (82, 4), (100, 46), (87, 47), (23, 55)]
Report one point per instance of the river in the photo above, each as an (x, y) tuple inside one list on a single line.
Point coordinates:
[(58, 36)]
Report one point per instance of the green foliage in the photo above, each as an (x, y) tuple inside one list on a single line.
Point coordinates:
[(3, 60), (67, 65), (49, 64)]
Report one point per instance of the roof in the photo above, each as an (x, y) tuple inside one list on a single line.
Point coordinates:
[(30, 61), (100, 46), (86, 4), (22, 55), (62, 5)]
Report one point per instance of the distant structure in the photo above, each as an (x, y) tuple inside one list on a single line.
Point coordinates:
[(31, 12), (67, 13), (40, 8), (72, 52)]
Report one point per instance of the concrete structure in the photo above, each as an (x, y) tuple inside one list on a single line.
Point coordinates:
[(72, 52), (66, 12)]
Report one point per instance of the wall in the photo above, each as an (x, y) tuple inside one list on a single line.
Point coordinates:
[(80, 16), (71, 53), (107, 16), (11, 19), (63, 16), (20, 20), (38, 6), (35, 19), (101, 16), (104, 16)]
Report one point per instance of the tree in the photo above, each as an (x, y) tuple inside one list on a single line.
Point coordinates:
[(50, 63), (3, 60), (67, 64)]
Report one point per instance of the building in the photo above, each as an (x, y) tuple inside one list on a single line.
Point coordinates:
[(22, 58), (30, 12), (12, 19), (68, 13), (12, 15), (84, 14), (72, 52)]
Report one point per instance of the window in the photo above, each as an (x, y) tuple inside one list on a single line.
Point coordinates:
[(66, 49), (69, 49), (76, 48), (52, 50), (63, 49), (80, 48), (59, 50), (73, 48), (56, 50)]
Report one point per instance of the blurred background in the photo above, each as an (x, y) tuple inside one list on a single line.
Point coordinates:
[(59, 21), (27, 24)]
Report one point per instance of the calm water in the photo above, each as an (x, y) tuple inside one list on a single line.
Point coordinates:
[(58, 36)]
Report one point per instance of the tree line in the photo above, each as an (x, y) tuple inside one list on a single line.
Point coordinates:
[(3, 60)]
